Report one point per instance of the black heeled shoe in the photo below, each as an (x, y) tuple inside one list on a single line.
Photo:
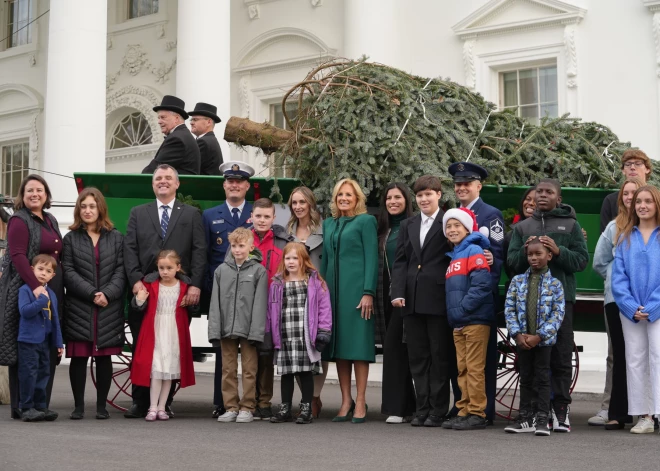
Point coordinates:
[(344, 418)]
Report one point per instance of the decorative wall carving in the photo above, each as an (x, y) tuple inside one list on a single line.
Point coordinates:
[(571, 56), (139, 98), (160, 31), (253, 12), (163, 71), (32, 59), (34, 138), (317, 3), (170, 45), (110, 80), (469, 64), (244, 95), (134, 59)]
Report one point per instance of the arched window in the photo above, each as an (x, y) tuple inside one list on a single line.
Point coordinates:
[(131, 131)]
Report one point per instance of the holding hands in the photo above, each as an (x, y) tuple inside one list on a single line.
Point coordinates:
[(142, 294)]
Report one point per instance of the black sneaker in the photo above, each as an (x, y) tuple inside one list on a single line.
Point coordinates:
[(418, 421), (434, 421), (256, 415), (49, 415), (523, 424), (265, 412), (32, 415), (542, 429), (472, 422), (449, 423)]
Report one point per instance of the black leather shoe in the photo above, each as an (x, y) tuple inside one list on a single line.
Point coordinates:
[(134, 412), (282, 415), (218, 411), (32, 415), (434, 421), (102, 414), (49, 415), (448, 424), (77, 414), (418, 421), (472, 422), (305, 416)]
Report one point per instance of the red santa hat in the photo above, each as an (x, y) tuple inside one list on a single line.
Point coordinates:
[(462, 215)]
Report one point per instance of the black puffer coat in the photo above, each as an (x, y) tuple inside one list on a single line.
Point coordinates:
[(81, 283)]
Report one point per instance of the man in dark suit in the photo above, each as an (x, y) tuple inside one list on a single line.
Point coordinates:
[(219, 222), (204, 119), (467, 185), (179, 148), (418, 277), (162, 224)]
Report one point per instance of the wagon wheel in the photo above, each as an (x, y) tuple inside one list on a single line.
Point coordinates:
[(121, 374), (508, 377)]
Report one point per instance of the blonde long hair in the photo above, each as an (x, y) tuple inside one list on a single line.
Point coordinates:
[(624, 213), (314, 215), (633, 218), (360, 207)]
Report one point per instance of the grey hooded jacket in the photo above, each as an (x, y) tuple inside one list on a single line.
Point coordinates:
[(239, 300)]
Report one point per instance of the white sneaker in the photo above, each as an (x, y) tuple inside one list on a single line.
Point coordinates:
[(601, 418), (644, 425), (395, 419), (561, 422), (229, 416), (244, 417)]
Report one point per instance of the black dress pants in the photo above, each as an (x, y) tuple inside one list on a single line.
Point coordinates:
[(430, 345), (217, 379), (398, 391), (561, 361), (534, 367), (619, 396)]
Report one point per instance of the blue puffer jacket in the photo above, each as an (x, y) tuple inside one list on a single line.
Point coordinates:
[(468, 284), (550, 310)]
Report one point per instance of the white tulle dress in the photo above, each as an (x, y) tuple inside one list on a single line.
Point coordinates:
[(166, 363)]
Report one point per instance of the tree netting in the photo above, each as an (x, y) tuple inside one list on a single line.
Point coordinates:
[(378, 124)]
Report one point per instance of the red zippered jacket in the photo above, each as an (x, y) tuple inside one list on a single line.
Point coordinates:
[(271, 254)]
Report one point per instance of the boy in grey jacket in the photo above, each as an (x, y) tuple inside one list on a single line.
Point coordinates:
[(238, 317)]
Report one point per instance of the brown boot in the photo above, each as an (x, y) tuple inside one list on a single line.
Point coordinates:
[(316, 407)]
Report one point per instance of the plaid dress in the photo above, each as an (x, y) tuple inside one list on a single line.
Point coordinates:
[(292, 357)]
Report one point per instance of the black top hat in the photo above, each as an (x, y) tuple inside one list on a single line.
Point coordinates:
[(204, 109), (172, 103), (467, 172)]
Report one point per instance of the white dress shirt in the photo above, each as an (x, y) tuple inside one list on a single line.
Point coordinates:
[(469, 206), (169, 205), (427, 222), (240, 208)]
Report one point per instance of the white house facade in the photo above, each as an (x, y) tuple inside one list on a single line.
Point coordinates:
[(78, 78)]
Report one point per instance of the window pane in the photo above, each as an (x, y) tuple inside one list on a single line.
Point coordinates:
[(276, 116), (531, 113), (551, 110), (510, 88), (528, 87), (133, 9), (548, 84)]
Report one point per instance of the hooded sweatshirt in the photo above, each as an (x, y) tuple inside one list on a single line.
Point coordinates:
[(561, 225), (239, 300), (468, 283)]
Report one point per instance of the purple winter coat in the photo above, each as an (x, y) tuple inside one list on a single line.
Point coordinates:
[(319, 312)]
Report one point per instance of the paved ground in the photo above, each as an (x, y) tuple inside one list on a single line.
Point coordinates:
[(193, 441)]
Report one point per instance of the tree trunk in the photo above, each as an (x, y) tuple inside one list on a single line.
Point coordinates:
[(244, 132)]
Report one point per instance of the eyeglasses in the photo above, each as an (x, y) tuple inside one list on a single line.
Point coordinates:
[(634, 164)]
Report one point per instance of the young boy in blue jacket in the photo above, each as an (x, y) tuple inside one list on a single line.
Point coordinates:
[(470, 313), (38, 331), (534, 310)]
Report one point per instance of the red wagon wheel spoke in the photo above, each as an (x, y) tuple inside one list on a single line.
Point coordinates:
[(121, 375)]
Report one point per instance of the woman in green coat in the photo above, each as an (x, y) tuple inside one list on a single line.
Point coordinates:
[(350, 267)]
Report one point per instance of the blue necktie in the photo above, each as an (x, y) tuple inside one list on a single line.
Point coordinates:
[(164, 221), (235, 217)]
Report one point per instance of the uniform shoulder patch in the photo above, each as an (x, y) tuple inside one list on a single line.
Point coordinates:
[(497, 230)]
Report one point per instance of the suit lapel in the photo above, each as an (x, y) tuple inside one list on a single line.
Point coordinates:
[(413, 235), (477, 207), (176, 212), (152, 210)]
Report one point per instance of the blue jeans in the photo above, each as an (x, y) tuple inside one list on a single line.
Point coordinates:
[(33, 374)]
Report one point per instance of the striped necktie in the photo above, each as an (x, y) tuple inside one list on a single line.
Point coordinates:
[(165, 220)]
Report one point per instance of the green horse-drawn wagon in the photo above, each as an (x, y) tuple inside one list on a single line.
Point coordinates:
[(124, 191)]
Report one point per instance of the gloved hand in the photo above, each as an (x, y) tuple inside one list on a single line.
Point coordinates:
[(322, 339)]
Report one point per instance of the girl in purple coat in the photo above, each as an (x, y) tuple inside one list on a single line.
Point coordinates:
[(299, 323)]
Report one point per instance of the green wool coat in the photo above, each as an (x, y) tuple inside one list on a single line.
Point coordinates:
[(349, 265)]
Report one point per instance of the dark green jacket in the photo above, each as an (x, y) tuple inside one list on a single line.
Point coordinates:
[(562, 226)]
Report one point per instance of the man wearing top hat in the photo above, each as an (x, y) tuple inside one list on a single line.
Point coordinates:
[(219, 222), (467, 186), (179, 149), (202, 122)]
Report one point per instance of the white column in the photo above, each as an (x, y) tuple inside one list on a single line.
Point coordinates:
[(203, 69), (75, 95), (371, 27)]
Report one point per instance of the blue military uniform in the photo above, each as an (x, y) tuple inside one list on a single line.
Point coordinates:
[(491, 224), (218, 224)]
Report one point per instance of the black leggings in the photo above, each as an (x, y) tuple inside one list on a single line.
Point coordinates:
[(306, 387), (78, 378)]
